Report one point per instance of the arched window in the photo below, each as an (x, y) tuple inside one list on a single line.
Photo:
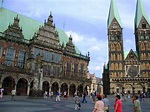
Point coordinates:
[(75, 68), (143, 25), (116, 66)]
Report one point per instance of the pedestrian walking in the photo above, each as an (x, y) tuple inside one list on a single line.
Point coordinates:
[(13, 93), (77, 102), (84, 98), (99, 105), (118, 104), (1, 92), (65, 94), (57, 96), (93, 97), (106, 103), (45, 94), (137, 105)]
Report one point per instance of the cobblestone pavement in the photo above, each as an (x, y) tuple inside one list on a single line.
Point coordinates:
[(24, 104)]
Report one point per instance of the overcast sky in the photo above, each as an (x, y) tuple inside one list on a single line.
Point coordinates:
[(86, 21)]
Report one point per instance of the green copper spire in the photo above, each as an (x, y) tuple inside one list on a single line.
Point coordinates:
[(140, 12), (113, 13)]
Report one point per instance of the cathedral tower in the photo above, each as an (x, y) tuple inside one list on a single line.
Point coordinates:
[(142, 38), (115, 43)]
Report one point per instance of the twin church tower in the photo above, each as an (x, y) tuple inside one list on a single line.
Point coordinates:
[(127, 72)]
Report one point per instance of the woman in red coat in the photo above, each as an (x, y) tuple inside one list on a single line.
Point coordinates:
[(118, 104)]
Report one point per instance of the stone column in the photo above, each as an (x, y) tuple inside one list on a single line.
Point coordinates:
[(28, 89), (59, 89), (0, 84), (50, 86), (15, 86), (68, 92), (40, 78)]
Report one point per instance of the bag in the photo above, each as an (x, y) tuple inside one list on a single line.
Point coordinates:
[(105, 108)]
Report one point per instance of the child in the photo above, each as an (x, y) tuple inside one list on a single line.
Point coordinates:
[(77, 102)]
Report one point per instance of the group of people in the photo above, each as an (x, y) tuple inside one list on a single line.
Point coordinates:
[(102, 104), (13, 93), (58, 94)]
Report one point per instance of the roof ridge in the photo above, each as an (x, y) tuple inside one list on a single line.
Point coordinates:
[(21, 15)]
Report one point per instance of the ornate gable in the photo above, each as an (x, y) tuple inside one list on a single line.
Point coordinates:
[(70, 46), (47, 34), (14, 30), (131, 56)]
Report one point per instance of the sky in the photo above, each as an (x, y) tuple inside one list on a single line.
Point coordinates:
[(85, 21)]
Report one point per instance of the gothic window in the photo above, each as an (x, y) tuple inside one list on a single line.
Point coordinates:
[(144, 56), (56, 71), (118, 56), (56, 58), (47, 56), (141, 56), (111, 57), (143, 66), (68, 66), (45, 70), (121, 74), (114, 25), (148, 56), (143, 25), (142, 46), (112, 37), (146, 46), (142, 37), (113, 47), (21, 58), (49, 70), (75, 67), (114, 57), (147, 37), (119, 47), (147, 66), (112, 66), (37, 52), (116, 66), (33, 66), (117, 37), (82, 68), (10, 57), (120, 66), (1, 49)]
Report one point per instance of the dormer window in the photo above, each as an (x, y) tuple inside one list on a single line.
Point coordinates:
[(143, 25)]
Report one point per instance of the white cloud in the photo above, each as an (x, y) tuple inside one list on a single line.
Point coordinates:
[(95, 48), (75, 36)]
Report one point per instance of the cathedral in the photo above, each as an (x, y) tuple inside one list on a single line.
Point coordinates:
[(39, 56), (127, 72)]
